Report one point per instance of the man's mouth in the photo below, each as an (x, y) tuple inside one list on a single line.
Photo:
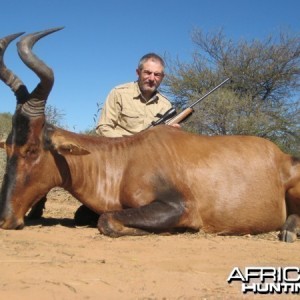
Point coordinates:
[(150, 84)]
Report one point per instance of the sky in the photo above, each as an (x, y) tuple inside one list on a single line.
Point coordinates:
[(102, 41)]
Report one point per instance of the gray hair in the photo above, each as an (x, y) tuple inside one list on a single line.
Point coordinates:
[(150, 56)]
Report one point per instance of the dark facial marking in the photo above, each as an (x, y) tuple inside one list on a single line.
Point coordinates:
[(20, 129), (8, 183)]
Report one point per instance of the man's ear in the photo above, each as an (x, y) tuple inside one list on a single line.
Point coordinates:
[(138, 72), (2, 144)]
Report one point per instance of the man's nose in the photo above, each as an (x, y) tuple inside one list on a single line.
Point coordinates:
[(151, 76)]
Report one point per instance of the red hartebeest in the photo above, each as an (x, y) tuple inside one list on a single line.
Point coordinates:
[(162, 179)]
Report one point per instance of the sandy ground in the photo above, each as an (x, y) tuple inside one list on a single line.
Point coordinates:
[(52, 259)]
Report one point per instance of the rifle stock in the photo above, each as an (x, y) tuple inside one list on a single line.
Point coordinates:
[(181, 116)]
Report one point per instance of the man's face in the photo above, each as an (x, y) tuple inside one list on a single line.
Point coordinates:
[(150, 76)]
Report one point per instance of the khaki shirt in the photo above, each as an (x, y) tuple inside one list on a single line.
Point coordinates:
[(126, 112)]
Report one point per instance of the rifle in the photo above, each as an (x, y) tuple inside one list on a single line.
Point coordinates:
[(185, 113)]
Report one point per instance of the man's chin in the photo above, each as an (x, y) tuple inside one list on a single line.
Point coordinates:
[(148, 89)]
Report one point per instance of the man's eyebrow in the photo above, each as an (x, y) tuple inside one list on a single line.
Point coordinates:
[(155, 73)]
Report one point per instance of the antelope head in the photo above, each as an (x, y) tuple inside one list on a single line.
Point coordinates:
[(26, 146)]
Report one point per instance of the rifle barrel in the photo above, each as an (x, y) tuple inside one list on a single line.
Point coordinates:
[(185, 113), (207, 94)]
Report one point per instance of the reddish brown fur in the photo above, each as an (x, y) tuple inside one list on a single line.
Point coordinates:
[(230, 184), (162, 178)]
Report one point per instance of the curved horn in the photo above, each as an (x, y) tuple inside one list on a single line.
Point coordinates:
[(7, 76), (36, 104)]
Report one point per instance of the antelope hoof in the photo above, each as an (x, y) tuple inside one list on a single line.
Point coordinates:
[(287, 236), (107, 226)]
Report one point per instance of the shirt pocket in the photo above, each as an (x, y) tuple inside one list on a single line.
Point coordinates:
[(131, 120)]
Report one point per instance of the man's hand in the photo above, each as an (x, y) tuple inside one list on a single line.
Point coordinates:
[(176, 125)]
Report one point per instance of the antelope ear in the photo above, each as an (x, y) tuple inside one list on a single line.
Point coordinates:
[(71, 149), (66, 145)]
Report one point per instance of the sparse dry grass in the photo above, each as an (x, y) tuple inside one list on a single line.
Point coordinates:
[(2, 163)]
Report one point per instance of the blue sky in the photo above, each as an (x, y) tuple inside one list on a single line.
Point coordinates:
[(103, 40)]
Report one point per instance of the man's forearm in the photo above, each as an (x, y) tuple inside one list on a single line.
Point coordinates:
[(106, 130)]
